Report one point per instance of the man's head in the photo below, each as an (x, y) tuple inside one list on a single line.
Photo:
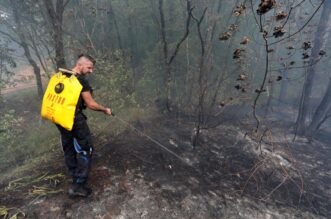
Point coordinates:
[(84, 64)]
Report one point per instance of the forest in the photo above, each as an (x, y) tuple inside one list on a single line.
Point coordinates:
[(221, 108)]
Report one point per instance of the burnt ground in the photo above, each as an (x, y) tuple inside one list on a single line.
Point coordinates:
[(227, 176)]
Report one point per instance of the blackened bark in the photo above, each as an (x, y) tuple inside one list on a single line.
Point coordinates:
[(165, 54), (283, 87), (202, 86), (320, 113), (119, 39), (58, 34), (132, 38), (55, 19), (24, 44), (166, 60)]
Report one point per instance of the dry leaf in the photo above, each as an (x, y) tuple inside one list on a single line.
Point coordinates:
[(239, 10), (305, 55), (241, 77), (237, 53), (233, 27), (225, 36), (306, 45), (265, 6), (278, 32), (280, 15), (245, 40)]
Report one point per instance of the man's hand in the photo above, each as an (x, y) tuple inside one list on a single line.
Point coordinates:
[(107, 111), (91, 104)]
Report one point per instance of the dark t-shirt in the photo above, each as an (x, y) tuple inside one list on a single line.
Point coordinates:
[(86, 87)]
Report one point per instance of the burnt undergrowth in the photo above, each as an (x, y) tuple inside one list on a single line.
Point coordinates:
[(226, 164), (227, 175)]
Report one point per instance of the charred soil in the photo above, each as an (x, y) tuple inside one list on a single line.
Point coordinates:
[(228, 175)]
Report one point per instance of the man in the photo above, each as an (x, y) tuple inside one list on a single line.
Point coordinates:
[(77, 144)]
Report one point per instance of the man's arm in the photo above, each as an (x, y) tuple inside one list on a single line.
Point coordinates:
[(92, 104)]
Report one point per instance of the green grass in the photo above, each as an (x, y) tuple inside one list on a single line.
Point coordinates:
[(26, 138), (34, 141)]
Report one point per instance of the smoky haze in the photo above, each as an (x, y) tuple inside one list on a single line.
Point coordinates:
[(214, 100)]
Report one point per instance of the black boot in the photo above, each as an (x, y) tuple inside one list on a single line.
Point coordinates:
[(79, 190)]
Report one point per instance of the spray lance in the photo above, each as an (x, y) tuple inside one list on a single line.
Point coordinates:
[(138, 131), (153, 140)]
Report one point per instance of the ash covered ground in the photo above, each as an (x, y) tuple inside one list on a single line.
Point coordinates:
[(229, 175)]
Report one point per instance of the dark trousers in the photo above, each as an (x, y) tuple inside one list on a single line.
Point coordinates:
[(77, 147)]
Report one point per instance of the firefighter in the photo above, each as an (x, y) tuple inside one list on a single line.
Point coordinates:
[(77, 143)]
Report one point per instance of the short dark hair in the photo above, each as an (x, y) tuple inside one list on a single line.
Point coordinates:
[(88, 57)]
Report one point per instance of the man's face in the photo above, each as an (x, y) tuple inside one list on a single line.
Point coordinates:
[(86, 67)]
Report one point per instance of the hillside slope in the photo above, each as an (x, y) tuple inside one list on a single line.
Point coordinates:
[(224, 177)]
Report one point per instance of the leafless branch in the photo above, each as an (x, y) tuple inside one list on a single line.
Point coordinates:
[(10, 37), (187, 31), (303, 26)]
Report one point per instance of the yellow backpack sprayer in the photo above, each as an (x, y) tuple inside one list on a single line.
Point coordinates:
[(60, 99)]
